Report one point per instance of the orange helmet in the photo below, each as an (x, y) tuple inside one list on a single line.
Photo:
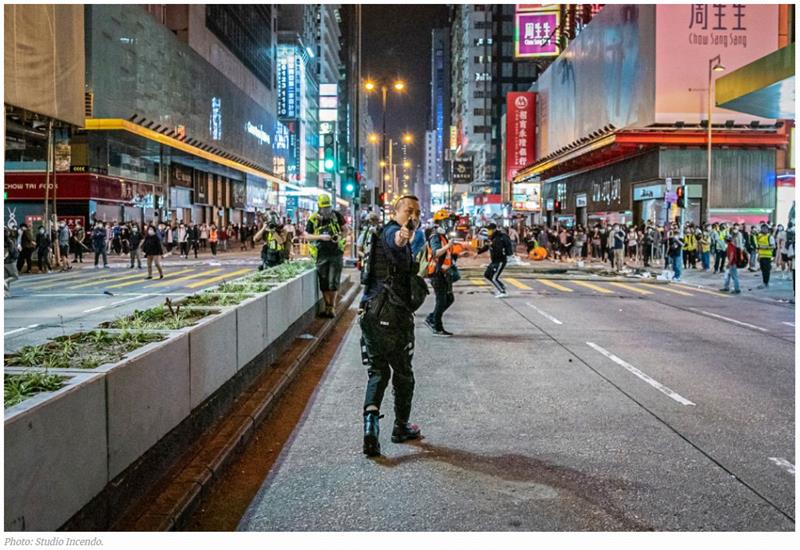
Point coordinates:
[(441, 215)]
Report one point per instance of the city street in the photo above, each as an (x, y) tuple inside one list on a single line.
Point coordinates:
[(568, 406), (48, 305)]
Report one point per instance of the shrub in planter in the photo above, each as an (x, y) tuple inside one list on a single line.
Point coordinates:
[(87, 350), (244, 287), (19, 387), (282, 272), (163, 317), (216, 298)]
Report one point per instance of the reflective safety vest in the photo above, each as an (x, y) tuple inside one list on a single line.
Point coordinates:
[(272, 242), (316, 224), (442, 263), (764, 246), (689, 242)]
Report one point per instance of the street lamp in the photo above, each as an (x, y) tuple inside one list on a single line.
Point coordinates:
[(714, 65), (373, 138), (398, 86), (408, 138)]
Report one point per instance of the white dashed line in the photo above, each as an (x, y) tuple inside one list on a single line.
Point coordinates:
[(783, 463), (98, 308), (20, 329), (788, 323), (657, 385), (729, 320), (545, 315)]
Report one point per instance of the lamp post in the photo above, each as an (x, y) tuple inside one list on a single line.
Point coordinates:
[(370, 86), (714, 64)]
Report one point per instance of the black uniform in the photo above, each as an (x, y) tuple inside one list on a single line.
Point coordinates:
[(387, 325), (499, 250)]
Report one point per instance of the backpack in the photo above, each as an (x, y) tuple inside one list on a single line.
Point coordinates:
[(508, 246), (742, 259)]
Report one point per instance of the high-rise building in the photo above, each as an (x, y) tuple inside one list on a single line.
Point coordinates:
[(440, 104)]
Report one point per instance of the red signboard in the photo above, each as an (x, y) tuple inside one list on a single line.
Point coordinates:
[(488, 199), (520, 135), (31, 186)]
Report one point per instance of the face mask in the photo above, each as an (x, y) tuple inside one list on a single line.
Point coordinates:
[(441, 230), (151, 232), (325, 212)]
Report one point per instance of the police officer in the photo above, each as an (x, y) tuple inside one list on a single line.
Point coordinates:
[(442, 272), (387, 326), (274, 237), (325, 232)]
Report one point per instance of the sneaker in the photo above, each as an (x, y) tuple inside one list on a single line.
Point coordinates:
[(149, 277), (724, 289), (431, 326), (736, 292), (405, 431), (160, 276), (442, 333), (106, 266), (762, 286)]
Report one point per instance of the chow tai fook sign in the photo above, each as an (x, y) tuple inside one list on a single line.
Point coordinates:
[(520, 134), (462, 171), (536, 34)]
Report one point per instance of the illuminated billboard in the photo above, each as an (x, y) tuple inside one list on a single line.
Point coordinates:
[(536, 34)]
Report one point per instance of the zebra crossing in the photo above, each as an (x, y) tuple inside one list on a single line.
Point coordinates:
[(579, 287)]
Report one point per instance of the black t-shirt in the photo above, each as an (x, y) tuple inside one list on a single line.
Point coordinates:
[(332, 226)]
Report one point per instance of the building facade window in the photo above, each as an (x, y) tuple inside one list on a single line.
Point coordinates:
[(246, 30)]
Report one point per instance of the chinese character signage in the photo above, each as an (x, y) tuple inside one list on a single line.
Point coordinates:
[(536, 34), (462, 171), (520, 134), (291, 72)]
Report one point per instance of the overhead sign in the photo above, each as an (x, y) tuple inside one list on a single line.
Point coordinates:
[(462, 171), (453, 138), (536, 34), (520, 136)]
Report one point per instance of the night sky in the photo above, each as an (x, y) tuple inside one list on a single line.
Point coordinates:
[(396, 42)]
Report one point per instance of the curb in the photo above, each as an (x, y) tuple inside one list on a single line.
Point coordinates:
[(187, 489)]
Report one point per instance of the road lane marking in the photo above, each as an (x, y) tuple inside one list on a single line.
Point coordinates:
[(593, 287), (657, 385), (478, 282), (665, 288), (92, 310), (703, 290), (631, 288), (50, 281), (557, 286), (103, 280), (783, 463), (788, 323), (142, 279), (544, 314), (518, 284), (186, 278), (20, 329), (729, 320), (219, 278)]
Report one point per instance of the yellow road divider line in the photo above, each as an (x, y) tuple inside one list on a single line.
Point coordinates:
[(142, 278), (186, 278), (54, 281), (478, 282), (593, 287), (712, 292), (219, 278), (557, 286), (631, 288), (518, 284), (665, 288), (104, 280)]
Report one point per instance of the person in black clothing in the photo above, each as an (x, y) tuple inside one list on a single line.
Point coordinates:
[(500, 248), (99, 243), (43, 250), (134, 240), (26, 247), (152, 250), (387, 326), (193, 237), (442, 273)]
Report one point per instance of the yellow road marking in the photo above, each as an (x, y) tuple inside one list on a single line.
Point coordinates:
[(479, 282), (219, 278), (665, 288), (713, 293), (141, 278), (631, 288), (104, 280), (186, 278), (557, 286), (593, 287), (518, 284), (51, 281)]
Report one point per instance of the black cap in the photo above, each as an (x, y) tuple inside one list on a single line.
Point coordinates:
[(491, 226)]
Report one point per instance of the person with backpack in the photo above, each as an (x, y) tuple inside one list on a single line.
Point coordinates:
[(441, 271), (500, 249), (736, 257)]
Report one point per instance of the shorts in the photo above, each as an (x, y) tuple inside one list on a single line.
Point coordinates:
[(64, 249), (329, 271)]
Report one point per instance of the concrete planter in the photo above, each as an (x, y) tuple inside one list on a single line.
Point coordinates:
[(311, 293), (251, 329), (277, 312), (55, 453), (213, 348)]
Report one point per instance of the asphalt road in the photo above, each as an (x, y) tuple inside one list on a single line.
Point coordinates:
[(48, 305), (563, 407)]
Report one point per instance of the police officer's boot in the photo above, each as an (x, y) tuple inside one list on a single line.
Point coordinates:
[(372, 446), (403, 431)]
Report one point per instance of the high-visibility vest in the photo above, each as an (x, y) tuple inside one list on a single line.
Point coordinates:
[(212, 235), (764, 247), (272, 242), (444, 263), (334, 225)]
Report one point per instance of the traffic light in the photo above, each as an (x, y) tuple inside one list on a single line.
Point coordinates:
[(557, 207), (680, 192), (382, 199), (329, 155), (349, 185)]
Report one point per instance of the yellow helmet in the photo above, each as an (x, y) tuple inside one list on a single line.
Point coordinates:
[(324, 200), (440, 215)]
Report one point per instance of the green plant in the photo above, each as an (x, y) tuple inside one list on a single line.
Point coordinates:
[(215, 299), (164, 317), (19, 387)]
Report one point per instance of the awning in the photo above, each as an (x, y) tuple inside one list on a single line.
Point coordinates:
[(763, 88)]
